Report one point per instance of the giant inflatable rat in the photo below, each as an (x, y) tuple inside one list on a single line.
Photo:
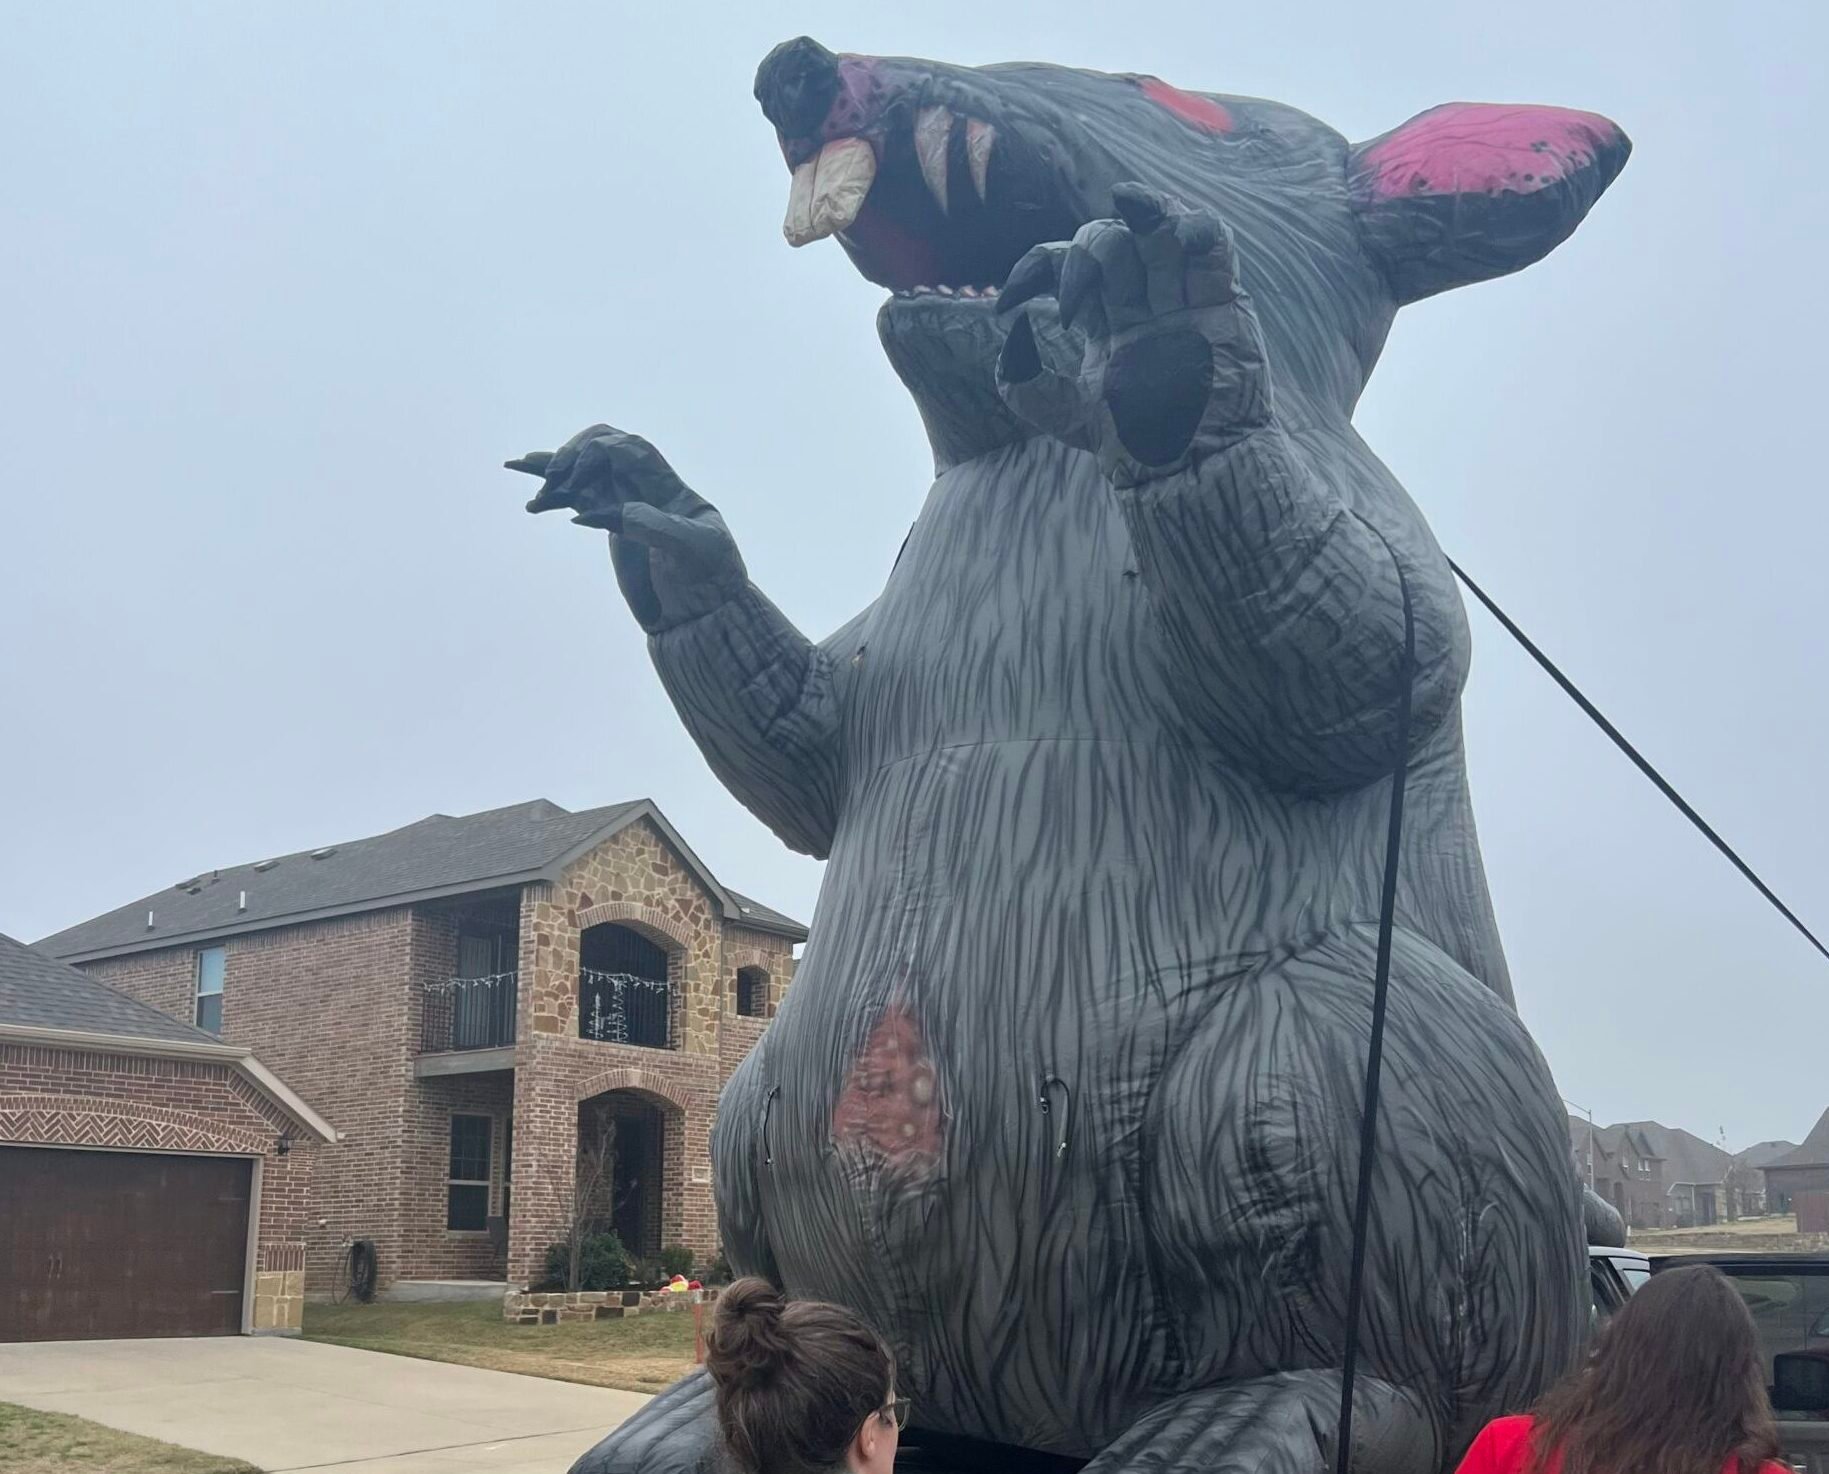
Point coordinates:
[(1065, 1097)]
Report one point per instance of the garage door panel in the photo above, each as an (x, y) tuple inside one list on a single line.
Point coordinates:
[(117, 1244)]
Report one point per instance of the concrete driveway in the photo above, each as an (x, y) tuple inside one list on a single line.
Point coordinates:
[(285, 1405)]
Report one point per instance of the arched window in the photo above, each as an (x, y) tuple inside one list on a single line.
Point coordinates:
[(752, 992), (623, 993)]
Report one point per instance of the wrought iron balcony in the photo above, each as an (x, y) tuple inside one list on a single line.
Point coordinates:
[(468, 1013), (624, 1008)]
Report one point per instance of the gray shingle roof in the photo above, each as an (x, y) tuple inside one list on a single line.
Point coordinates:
[(1764, 1153), (1687, 1157), (1815, 1150), (438, 855), (754, 913), (39, 992)]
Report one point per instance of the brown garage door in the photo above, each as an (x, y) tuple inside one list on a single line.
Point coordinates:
[(105, 1244)]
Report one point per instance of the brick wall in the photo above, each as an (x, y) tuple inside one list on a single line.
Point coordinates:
[(746, 947), (330, 1008), (334, 1008), (53, 1096), (428, 1248)]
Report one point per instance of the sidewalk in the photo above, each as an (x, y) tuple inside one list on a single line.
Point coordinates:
[(287, 1405)]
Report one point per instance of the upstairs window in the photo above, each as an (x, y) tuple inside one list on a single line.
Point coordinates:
[(211, 965), (752, 992), (467, 1184)]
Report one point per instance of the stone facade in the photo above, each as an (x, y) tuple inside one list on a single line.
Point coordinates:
[(634, 880), (57, 1096), (548, 1308), (335, 1008)]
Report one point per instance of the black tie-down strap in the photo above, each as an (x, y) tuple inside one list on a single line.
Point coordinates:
[(1374, 1065), (1386, 911), (1639, 760)]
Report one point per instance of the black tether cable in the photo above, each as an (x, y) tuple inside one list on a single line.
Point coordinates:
[(1374, 1065), (1381, 982), (1637, 757)]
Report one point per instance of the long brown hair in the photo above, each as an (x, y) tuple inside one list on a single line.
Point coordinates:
[(1676, 1385), (795, 1379)]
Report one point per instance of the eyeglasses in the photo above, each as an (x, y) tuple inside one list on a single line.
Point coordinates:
[(897, 1413)]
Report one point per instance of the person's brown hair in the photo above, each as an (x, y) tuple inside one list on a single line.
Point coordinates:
[(795, 1379), (1676, 1385)]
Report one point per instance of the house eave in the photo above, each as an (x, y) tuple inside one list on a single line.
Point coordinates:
[(240, 1060), (151, 943)]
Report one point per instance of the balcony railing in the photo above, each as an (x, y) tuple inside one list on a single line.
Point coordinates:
[(469, 1013), (624, 1008)]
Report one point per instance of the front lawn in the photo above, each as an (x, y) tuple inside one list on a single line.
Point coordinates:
[(644, 1353), (32, 1442)]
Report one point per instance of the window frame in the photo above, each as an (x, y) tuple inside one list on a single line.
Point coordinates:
[(198, 993), (762, 986), (486, 1182)]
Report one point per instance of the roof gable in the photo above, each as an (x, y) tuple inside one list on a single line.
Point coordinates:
[(1813, 1153)]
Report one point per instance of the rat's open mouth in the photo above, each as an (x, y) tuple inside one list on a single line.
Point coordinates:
[(932, 201)]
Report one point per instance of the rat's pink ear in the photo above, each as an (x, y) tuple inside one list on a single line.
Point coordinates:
[(1471, 190)]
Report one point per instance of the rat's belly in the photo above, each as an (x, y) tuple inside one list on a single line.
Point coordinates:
[(1011, 939)]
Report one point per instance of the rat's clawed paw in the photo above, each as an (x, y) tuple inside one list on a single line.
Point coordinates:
[(597, 473), (1169, 348)]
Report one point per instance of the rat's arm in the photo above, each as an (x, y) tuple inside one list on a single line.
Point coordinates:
[(756, 694), (1282, 607)]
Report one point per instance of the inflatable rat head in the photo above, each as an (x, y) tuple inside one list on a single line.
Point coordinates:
[(937, 179)]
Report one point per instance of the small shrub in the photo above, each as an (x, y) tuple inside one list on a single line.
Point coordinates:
[(603, 1264), (649, 1274), (676, 1260)]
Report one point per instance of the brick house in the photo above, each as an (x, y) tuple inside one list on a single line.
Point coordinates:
[(1799, 1179), (153, 1180), (1657, 1176), (461, 995)]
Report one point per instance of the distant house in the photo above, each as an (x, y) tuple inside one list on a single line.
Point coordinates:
[(1799, 1179), (1657, 1176), (463, 997), (1750, 1168), (152, 1178)]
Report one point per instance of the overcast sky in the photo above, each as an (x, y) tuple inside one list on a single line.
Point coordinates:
[(282, 285)]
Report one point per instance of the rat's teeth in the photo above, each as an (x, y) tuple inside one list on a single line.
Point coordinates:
[(978, 140), (829, 190), (933, 132)]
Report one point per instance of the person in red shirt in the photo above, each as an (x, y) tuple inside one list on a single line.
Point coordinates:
[(1676, 1385)]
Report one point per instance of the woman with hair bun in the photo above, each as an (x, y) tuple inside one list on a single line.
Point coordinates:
[(802, 1387)]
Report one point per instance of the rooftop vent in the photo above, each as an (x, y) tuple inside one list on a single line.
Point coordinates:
[(266, 865), (325, 853)]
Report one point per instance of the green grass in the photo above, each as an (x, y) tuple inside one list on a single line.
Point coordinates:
[(644, 1353), (32, 1442)]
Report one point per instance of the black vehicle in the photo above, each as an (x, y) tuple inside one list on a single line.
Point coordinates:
[(1613, 1274), (1789, 1297)]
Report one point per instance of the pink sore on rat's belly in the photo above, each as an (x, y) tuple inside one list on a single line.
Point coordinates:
[(890, 1102), (1482, 148)]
